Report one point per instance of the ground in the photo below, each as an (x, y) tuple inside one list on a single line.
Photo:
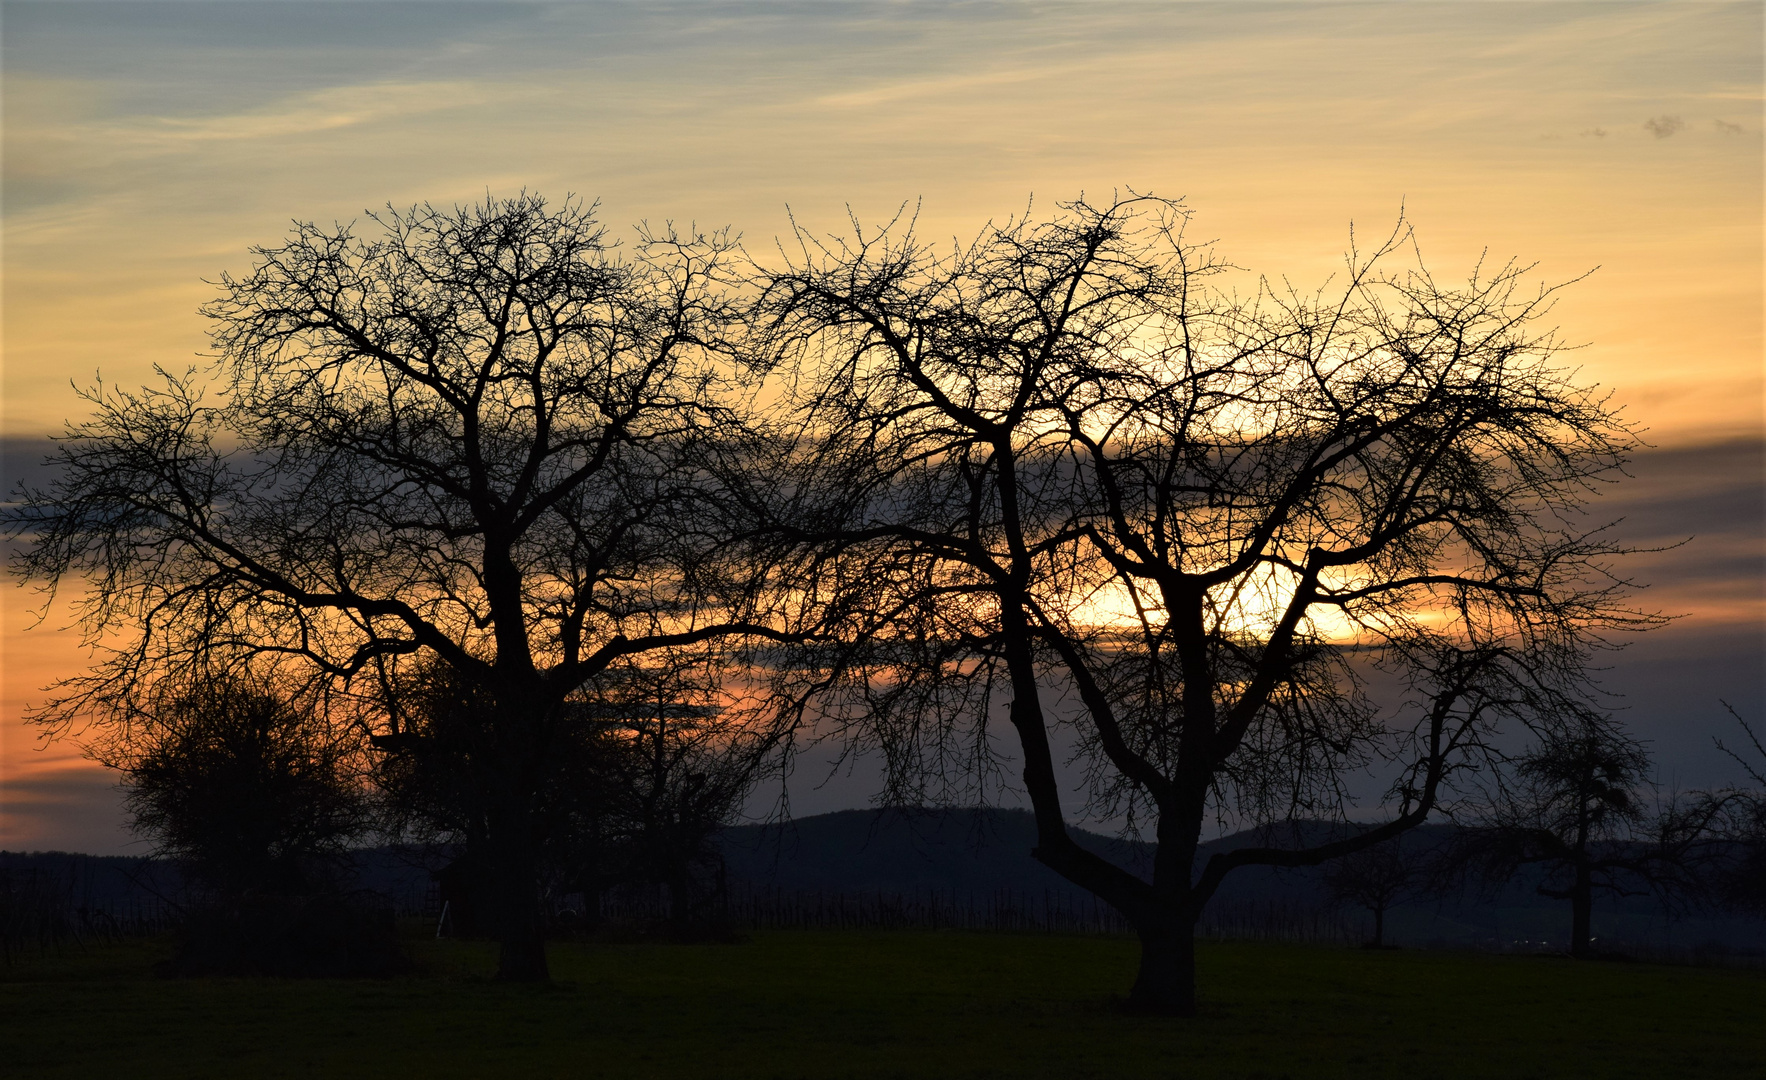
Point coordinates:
[(905, 1004)]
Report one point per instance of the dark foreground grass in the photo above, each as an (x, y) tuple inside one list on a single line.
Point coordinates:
[(890, 1005)]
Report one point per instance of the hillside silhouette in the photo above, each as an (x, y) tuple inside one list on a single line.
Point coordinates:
[(976, 854)]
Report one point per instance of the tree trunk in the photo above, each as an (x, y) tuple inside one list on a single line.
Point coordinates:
[(1581, 910), (521, 942), (1166, 982), (1379, 928), (521, 939)]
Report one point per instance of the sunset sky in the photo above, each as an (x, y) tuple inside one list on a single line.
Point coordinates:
[(148, 145)]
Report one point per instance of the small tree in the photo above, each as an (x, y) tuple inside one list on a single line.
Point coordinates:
[(1579, 808), (679, 760), (256, 792), (1375, 878)]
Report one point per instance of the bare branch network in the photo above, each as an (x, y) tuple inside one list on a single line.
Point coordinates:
[(1255, 543)]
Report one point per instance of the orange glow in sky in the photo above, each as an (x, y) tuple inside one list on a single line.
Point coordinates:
[(148, 146)]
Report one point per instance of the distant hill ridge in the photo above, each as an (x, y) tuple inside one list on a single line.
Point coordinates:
[(890, 850), (907, 849), (984, 852)]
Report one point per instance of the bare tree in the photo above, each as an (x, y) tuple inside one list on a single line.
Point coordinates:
[(1579, 807), (1069, 464), (467, 437), (1375, 878), (683, 758), (1578, 803), (1738, 817)]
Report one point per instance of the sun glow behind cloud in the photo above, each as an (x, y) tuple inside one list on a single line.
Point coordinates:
[(1249, 607)]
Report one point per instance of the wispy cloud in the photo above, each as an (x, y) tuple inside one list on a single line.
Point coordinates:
[(936, 88), (1663, 126), (323, 110)]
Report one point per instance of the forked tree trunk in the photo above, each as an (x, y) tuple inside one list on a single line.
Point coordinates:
[(1166, 982)]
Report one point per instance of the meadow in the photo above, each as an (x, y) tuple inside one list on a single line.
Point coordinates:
[(889, 1004)]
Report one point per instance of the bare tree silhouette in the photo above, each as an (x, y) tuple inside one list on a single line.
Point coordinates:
[(683, 760), (1582, 807), (468, 437), (1058, 459), (1741, 821), (1376, 878)]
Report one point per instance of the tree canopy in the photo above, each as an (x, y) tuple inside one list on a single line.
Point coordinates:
[(486, 477), (1083, 469), (470, 436)]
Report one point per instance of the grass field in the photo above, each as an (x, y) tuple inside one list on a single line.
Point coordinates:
[(907, 1004)]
